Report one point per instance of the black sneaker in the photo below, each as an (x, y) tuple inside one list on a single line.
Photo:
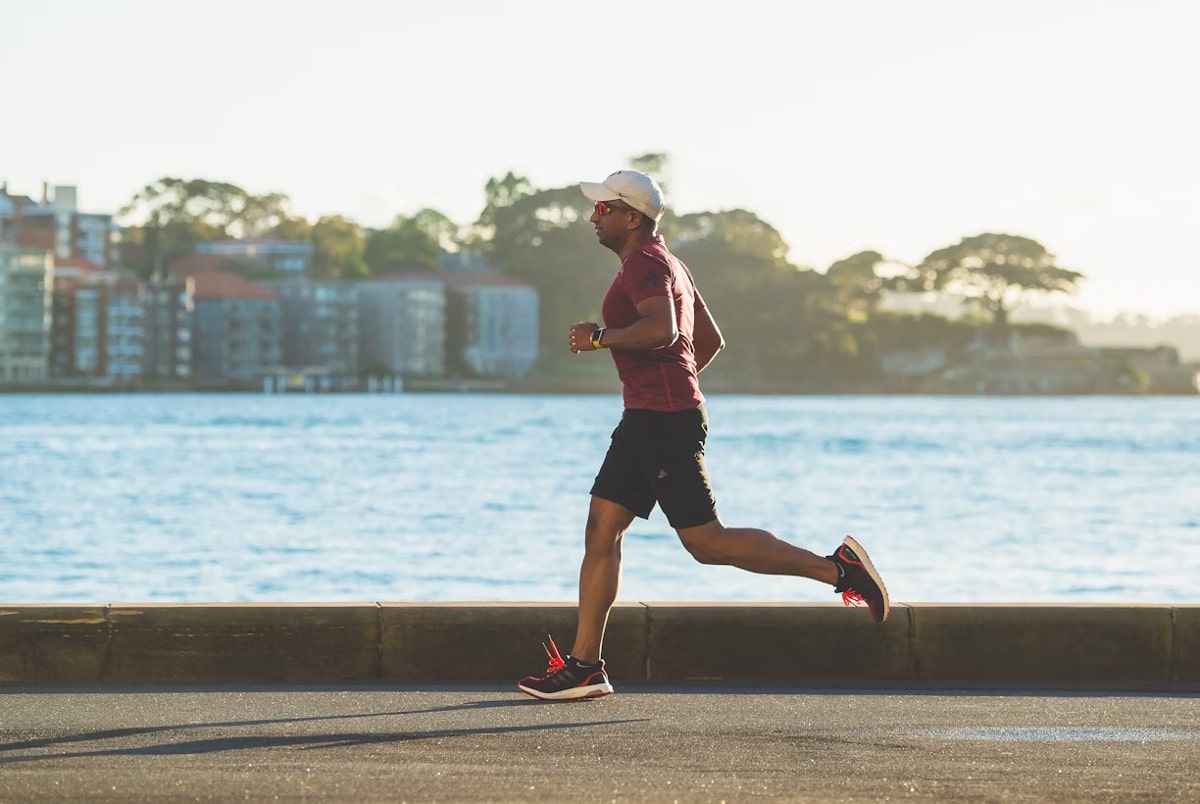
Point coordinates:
[(567, 679), (858, 581)]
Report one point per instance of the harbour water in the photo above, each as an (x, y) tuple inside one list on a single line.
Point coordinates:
[(482, 497)]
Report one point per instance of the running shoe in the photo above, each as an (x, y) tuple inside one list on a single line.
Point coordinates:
[(566, 679), (858, 580)]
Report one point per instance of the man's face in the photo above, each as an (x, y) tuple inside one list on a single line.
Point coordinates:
[(614, 220)]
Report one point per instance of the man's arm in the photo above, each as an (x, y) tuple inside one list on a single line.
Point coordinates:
[(706, 338), (655, 328)]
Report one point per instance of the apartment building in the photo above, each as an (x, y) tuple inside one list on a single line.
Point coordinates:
[(236, 331), (320, 328), (402, 325), (98, 324), (56, 224), (492, 324), (170, 306), (292, 258), (26, 287)]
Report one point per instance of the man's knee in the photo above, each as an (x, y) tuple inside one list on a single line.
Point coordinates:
[(704, 543), (606, 524)]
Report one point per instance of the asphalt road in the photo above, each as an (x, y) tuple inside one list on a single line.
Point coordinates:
[(651, 743)]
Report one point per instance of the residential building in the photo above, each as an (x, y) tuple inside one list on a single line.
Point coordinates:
[(468, 261), (1054, 363), (170, 309), (402, 325), (55, 224), (26, 286), (236, 331), (98, 323), (192, 264), (1159, 368), (492, 324), (319, 326), (292, 258)]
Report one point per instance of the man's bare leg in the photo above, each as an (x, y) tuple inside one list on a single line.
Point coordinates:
[(599, 575), (755, 550)]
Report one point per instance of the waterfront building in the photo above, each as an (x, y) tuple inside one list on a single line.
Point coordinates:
[(286, 257), (492, 324), (169, 310), (235, 333), (98, 323), (319, 327), (26, 287), (402, 325), (55, 224)]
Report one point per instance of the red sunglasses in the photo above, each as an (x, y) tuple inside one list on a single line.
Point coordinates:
[(603, 209)]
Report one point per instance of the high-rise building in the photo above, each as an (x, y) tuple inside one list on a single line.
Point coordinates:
[(169, 306), (98, 324), (55, 224), (26, 285)]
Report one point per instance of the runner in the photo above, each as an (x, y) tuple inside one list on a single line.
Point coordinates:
[(661, 336)]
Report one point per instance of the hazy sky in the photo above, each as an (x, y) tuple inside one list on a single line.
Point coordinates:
[(895, 126)]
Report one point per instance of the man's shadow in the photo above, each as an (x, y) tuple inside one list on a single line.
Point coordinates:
[(238, 743)]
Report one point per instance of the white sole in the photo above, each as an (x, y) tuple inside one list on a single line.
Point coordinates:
[(874, 573), (571, 694)]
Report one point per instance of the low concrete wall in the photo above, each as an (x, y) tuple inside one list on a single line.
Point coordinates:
[(809, 644)]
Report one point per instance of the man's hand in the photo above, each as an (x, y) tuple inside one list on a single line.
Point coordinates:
[(580, 336)]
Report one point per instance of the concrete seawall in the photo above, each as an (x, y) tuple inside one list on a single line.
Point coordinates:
[(1105, 646)]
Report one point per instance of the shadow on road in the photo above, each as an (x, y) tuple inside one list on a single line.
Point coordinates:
[(236, 743)]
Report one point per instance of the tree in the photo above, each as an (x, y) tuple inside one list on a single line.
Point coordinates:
[(338, 248), (994, 270), (295, 229), (856, 282), (405, 247), (498, 194), (169, 216), (542, 237), (441, 229), (783, 324)]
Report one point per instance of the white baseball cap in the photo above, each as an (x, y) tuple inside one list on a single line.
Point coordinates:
[(635, 188)]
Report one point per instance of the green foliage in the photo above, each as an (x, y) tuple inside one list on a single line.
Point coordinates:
[(338, 248), (498, 194), (993, 270), (788, 328), (169, 216), (541, 237), (296, 230), (856, 283), (408, 246)]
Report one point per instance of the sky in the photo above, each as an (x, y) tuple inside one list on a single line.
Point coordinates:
[(895, 126)]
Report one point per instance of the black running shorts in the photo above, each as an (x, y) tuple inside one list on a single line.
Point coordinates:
[(658, 457)]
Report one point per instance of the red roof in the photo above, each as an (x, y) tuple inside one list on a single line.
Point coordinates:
[(76, 265), (222, 285)]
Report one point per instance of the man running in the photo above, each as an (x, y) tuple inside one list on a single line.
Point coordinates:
[(661, 336)]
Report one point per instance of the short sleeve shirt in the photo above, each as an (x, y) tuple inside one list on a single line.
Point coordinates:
[(663, 379)]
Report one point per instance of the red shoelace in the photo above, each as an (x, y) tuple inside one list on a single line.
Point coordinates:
[(850, 597), (556, 661)]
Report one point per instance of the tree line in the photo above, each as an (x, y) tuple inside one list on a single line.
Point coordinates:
[(790, 327)]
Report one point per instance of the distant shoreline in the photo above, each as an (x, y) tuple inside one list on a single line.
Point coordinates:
[(531, 387)]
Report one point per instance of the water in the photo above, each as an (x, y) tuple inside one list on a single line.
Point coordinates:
[(420, 497)]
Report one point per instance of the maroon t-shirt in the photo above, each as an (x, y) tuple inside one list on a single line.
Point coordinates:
[(663, 379)]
